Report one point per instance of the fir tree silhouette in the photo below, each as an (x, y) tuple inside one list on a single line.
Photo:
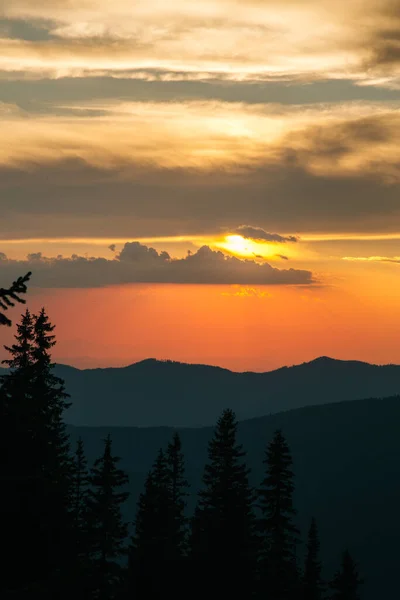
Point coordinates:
[(40, 461), (278, 534), (346, 582), (312, 587), (150, 550), (18, 472), (79, 502), (107, 530), (178, 492), (223, 541)]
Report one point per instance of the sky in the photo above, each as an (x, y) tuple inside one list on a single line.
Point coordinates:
[(213, 182)]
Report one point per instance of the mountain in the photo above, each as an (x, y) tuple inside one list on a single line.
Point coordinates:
[(157, 393), (347, 466)]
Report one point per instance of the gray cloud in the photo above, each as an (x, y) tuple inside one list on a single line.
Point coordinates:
[(260, 235), (137, 263), (33, 30), (45, 95), (283, 192)]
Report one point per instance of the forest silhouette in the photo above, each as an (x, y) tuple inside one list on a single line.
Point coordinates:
[(63, 528)]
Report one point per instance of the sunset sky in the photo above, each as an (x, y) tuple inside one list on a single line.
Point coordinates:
[(213, 181)]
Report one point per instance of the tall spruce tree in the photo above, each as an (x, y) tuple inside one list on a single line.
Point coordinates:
[(19, 525), (178, 492), (152, 543), (56, 460), (39, 465), (312, 587), (79, 501), (278, 534), (223, 541), (346, 582), (106, 528), (80, 486)]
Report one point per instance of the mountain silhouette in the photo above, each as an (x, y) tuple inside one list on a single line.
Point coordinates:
[(166, 393), (346, 462)]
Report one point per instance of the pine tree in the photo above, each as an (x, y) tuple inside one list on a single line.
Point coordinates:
[(152, 543), (79, 500), (178, 493), (278, 534), (80, 486), (19, 524), (346, 582), (55, 458), (223, 542), (106, 528), (312, 584), (39, 465)]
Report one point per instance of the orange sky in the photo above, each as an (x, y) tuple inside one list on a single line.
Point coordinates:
[(155, 153), (238, 327)]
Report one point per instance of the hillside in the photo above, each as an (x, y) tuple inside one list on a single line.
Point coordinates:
[(347, 465), (156, 393)]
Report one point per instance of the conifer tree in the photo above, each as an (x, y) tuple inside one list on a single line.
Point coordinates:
[(40, 466), (80, 486), (346, 582), (19, 471), (152, 542), (79, 500), (107, 530), (178, 492), (278, 534), (223, 542), (312, 587), (54, 456)]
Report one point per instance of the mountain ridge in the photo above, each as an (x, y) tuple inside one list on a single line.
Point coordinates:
[(171, 393)]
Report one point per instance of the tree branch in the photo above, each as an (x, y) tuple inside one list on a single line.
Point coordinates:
[(8, 297)]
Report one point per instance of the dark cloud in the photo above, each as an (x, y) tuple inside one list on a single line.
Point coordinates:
[(384, 38), (284, 192), (45, 95), (260, 235), (112, 247), (139, 264), (34, 30)]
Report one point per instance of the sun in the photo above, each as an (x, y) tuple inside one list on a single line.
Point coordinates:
[(237, 245), (240, 246)]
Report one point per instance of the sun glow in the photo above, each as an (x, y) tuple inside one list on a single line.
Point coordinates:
[(240, 246)]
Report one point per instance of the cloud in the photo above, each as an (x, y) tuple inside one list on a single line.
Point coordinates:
[(168, 170), (387, 259), (137, 263), (309, 39), (112, 247), (260, 235)]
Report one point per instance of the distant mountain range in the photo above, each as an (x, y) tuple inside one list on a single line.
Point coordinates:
[(347, 466), (166, 393)]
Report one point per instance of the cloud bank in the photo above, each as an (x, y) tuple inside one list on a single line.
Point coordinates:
[(137, 263), (260, 235)]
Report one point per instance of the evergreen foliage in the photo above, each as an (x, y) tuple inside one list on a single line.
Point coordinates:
[(9, 296), (312, 587), (178, 492), (278, 533), (107, 531), (39, 466), (346, 582), (223, 541)]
